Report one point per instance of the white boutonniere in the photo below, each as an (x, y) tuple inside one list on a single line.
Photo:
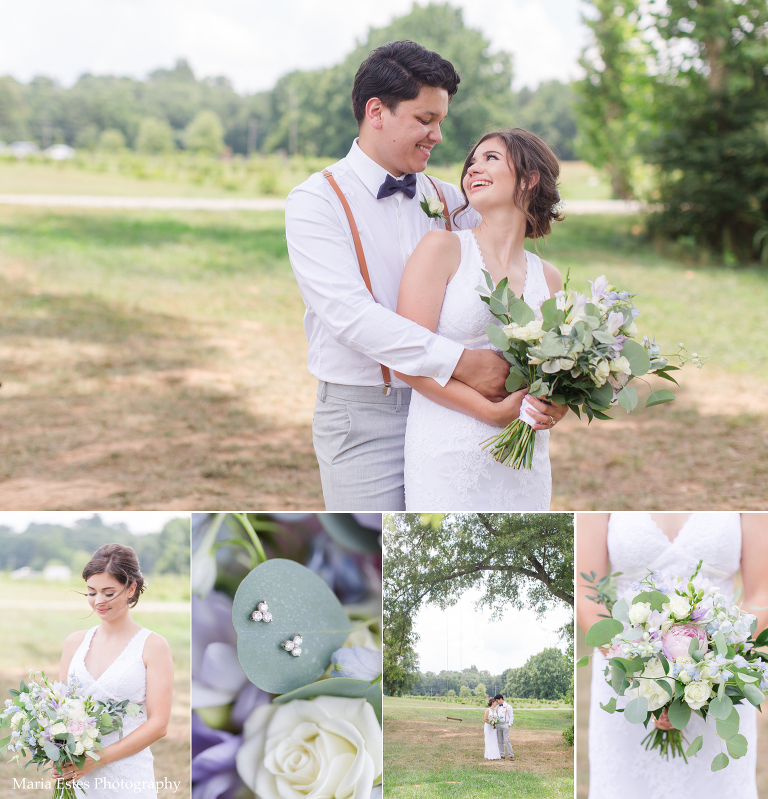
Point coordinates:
[(433, 208)]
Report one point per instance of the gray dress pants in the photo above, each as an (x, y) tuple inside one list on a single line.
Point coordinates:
[(359, 438), (502, 734)]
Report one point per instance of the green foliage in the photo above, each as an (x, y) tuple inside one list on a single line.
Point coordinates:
[(546, 675), (155, 137), (614, 93), (14, 112), (479, 691), (548, 111), (205, 134), (111, 141), (451, 693)]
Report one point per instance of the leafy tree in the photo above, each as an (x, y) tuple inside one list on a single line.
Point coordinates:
[(13, 110), (612, 114), (545, 675), (205, 134), (451, 693), (548, 112), (111, 141), (711, 112), (155, 137), (480, 690), (464, 692)]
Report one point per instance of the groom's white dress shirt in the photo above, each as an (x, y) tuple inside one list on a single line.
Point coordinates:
[(506, 714), (350, 333)]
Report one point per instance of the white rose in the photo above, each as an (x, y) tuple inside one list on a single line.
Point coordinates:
[(685, 660), (630, 329), (331, 741), (697, 694), (530, 332), (434, 205), (657, 697), (684, 677), (565, 330), (59, 729), (639, 612), (17, 718), (79, 748), (92, 732), (87, 743), (601, 372), (621, 365), (653, 668), (679, 606)]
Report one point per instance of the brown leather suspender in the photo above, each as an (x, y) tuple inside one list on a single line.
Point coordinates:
[(385, 373), (360, 259)]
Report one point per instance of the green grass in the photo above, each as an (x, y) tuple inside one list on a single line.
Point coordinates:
[(428, 755), (160, 588)]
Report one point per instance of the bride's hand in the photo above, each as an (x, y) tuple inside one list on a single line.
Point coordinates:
[(70, 772), (546, 414), (662, 722), (505, 412)]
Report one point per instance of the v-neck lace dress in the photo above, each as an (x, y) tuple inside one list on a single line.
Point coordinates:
[(618, 765), (445, 466), (124, 678)]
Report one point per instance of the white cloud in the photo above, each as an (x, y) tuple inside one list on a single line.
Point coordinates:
[(461, 636), (255, 43)]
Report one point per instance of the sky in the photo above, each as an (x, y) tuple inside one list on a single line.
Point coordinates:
[(253, 42), (138, 522), (462, 636)]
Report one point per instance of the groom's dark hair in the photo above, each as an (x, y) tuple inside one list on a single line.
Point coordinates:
[(396, 71), (499, 696)]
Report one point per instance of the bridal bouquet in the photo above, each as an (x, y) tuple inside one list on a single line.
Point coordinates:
[(681, 647), (493, 720), (58, 724), (582, 353)]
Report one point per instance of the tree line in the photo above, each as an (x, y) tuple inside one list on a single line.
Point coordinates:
[(163, 552)]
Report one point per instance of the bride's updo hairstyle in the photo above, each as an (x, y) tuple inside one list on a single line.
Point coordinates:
[(527, 154), (491, 700), (121, 563)]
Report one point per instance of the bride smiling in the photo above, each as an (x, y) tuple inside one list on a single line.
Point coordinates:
[(118, 659)]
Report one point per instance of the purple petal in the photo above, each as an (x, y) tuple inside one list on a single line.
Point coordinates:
[(249, 698)]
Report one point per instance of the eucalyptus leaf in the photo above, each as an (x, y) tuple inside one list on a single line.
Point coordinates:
[(582, 661), (719, 640), (521, 312), (339, 686), (551, 317), (515, 381), (637, 356), (659, 397), (602, 631), (610, 705), (720, 762), (51, 751), (655, 598), (627, 398), (727, 728), (679, 714), (637, 710), (753, 694), (737, 746), (497, 336), (695, 746), (497, 308), (350, 534), (300, 603), (603, 337), (720, 708), (621, 610)]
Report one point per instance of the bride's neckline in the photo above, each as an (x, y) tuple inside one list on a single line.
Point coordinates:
[(527, 265), (122, 652), (661, 532)]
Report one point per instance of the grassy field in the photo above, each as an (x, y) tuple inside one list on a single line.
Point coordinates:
[(429, 756), (34, 638), (157, 360), (185, 176), (583, 677)]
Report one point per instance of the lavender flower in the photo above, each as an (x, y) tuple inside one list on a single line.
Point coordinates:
[(357, 662)]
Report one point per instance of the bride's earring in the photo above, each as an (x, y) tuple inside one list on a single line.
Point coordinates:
[(293, 645), (262, 612)]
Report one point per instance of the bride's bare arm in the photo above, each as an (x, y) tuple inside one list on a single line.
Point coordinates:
[(591, 555), (70, 647), (422, 290), (754, 565)]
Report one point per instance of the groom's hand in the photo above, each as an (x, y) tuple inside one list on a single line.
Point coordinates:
[(485, 371)]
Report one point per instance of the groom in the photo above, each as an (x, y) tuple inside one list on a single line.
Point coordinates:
[(400, 97), (506, 717)]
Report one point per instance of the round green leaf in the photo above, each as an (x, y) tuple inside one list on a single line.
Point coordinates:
[(300, 603), (349, 534), (497, 337), (727, 728), (515, 381), (602, 631), (753, 694), (721, 708), (638, 358), (696, 744), (339, 686), (659, 397), (654, 598), (521, 313), (627, 398), (636, 710), (679, 714), (582, 661), (737, 746), (720, 762)]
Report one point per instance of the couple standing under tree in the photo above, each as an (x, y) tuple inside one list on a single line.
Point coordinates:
[(497, 720), (391, 303)]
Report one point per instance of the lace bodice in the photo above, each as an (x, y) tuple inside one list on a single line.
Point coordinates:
[(619, 765), (445, 466), (124, 678)]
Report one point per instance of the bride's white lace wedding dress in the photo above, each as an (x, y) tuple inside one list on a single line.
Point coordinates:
[(491, 740), (125, 678), (618, 765), (445, 468)]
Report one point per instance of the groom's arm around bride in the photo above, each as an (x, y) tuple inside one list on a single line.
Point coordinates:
[(400, 97)]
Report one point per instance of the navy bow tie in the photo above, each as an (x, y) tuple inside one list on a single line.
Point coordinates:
[(407, 185)]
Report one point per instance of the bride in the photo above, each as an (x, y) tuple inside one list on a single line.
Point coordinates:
[(510, 179), (673, 543), (491, 739), (118, 659)]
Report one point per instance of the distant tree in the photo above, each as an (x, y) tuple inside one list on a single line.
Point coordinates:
[(205, 134), (464, 692), (545, 675), (451, 693), (548, 112), (155, 137), (111, 141), (480, 690), (14, 113)]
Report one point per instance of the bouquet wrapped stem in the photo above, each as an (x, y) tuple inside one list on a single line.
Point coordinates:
[(513, 446), (668, 742)]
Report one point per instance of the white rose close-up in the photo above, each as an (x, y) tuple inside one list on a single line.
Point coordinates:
[(434, 205), (330, 747), (639, 612), (656, 695), (679, 606), (697, 694), (653, 668)]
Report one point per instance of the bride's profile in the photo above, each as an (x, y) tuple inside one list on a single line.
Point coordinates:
[(631, 544), (490, 738), (510, 179), (118, 659)]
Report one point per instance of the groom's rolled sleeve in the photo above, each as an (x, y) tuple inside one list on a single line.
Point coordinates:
[(324, 261)]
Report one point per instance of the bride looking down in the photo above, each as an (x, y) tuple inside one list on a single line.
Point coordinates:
[(118, 659)]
